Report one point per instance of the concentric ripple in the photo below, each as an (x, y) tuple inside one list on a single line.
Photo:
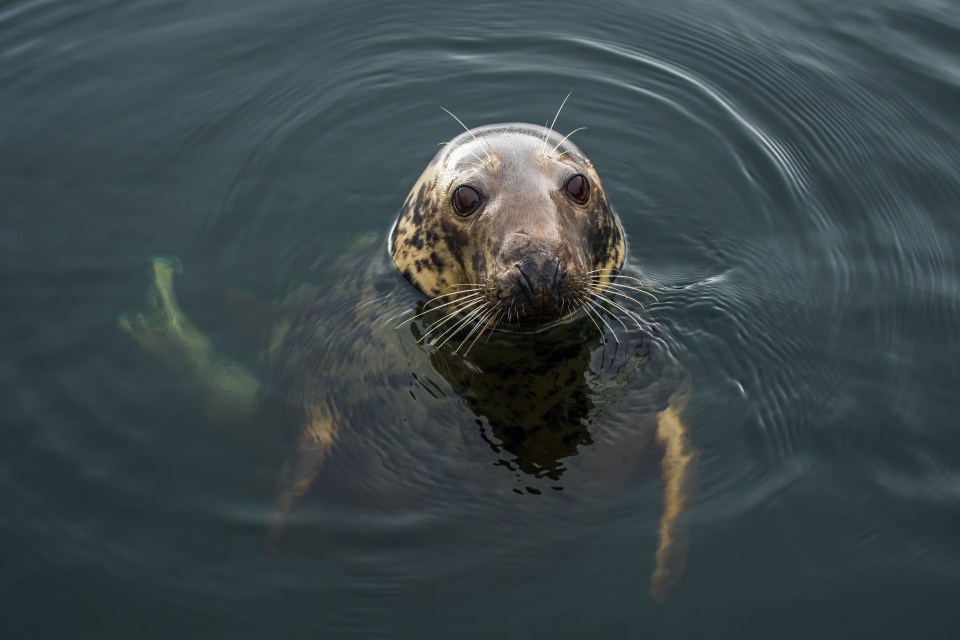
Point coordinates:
[(787, 177)]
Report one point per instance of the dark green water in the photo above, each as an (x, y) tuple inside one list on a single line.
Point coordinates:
[(787, 175)]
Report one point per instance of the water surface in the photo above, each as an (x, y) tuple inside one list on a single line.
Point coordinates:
[(786, 173)]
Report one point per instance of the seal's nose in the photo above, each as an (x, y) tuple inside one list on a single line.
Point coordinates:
[(539, 280)]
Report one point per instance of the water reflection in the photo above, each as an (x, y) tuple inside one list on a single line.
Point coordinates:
[(537, 395)]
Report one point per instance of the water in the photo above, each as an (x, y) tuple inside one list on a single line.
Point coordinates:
[(786, 174)]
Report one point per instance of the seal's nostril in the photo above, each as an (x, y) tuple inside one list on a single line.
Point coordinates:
[(556, 279), (537, 281), (525, 282)]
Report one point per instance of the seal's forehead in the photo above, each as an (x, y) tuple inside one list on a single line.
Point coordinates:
[(507, 141)]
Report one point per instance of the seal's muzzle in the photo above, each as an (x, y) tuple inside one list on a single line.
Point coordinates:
[(533, 277), (538, 282)]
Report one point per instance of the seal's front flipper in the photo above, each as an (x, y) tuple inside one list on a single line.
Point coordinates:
[(165, 332), (171, 337), (303, 467), (679, 460)]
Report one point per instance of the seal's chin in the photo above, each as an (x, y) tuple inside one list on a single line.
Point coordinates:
[(541, 325), (527, 315)]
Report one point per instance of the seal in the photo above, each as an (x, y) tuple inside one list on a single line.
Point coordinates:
[(507, 234)]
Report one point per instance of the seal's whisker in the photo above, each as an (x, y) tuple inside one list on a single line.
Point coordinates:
[(465, 304), (465, 128), (615, 276), (617, 285), (565, 138), (595, 276), (450, 315), (614, 316), (630, 314), (463, 318), (495, 327), (490, 325), (473, 287), (487, 152), (476, 327), (597, 273), (615, 292), (434, 308), (619, 274), (448, 318), (461, 292), (603, 336), (597, 310), (452, 331), (586, 308), (468, 284), (465, 295), (612, 270), (483, 163), (630, 279), (482, 326), (550, 130), (592, 307)]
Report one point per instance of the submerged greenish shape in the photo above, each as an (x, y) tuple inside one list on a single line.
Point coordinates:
[(785, 174)]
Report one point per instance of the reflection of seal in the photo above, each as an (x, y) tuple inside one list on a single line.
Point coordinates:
[(508, 233), (513, 219)]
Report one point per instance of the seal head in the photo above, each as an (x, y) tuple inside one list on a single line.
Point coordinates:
[(513, 216)]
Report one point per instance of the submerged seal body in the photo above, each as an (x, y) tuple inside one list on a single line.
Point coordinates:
[(516, 262)]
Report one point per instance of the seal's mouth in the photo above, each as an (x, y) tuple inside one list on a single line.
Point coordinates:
[(519, 302), (540, 307), (537, 288)]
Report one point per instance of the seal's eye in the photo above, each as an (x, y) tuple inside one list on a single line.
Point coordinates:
[(578, 188), (466, 200)]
